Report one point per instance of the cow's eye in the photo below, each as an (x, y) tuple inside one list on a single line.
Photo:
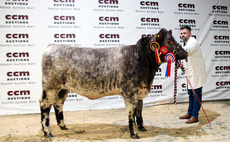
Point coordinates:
[(170, 42)]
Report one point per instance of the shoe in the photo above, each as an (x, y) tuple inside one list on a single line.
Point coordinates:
[(186, 116), (192, 120)]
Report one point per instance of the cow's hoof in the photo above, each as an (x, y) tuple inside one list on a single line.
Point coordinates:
[(48, 135), (135, 136), (142, 129), (64, 128)]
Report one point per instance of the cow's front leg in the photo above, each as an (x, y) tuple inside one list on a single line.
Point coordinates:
[(139, 118), (130, 99), (58, 107)]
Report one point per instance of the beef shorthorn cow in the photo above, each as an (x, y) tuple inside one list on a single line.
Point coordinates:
[(97, 72)]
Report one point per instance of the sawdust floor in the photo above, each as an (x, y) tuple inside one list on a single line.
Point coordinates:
[(111, 125)]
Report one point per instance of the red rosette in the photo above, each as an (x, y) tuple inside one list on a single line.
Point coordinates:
[(170, 56), (163, 50)]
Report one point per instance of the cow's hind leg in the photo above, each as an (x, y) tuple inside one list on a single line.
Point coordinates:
[(130, 102), (139, 118), (46, 101), (58, 107)]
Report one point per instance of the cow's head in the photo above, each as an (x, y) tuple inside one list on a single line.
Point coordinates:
[(165, 38)]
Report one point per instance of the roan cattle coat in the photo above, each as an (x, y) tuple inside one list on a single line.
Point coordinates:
[(97, 72)]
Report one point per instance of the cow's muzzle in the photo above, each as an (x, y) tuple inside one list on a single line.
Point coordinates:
[(180, 53)]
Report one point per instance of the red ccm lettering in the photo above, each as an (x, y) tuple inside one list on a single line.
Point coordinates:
[(18, 93), (17, 54), (17, 17), (222, 67), (156, 87), (150, 19), (17, 0), (187, 21), (9, 36), (215, 22), (18, 73), (149, 3), (222, 83), (109, 36), (147, 35), (185, 5), (108, 18), (220, 37), (64, 18), (108, 1), (219, 7), (65, 1), (64, 36), (222, 52), (184, 85)]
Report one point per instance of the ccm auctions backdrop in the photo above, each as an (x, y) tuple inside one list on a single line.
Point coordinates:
[(28, 26)]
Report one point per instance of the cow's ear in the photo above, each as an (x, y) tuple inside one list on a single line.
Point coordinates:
[(160, 35), (170, 31)]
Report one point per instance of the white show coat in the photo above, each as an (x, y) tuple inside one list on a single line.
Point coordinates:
[(195, 67)]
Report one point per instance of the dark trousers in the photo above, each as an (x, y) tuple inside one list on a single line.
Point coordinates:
[(194, 105)]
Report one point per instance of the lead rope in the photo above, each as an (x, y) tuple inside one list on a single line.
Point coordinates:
[(175, 81), (178, 65)]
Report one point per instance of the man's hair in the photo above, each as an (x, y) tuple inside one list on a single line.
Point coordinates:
[(185, 27)]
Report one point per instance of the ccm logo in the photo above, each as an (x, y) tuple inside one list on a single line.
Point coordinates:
[(222, 68), (108, 1), (220, 22), (17, 54), (159, 70), (17, 35), (109, 36), (150, 20), (18, 92), (156, 87), (187, 21), (65, 1), (64, 36), (64, 18), (147, 35), (149, 3), (185, 5), (17, 17), (108, 18), (184, 85), (222, 83), (18, 73), (17, 0), (222, 52), (218, 7), (219, 37)]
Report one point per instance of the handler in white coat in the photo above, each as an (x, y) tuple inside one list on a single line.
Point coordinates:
[(195, 71)]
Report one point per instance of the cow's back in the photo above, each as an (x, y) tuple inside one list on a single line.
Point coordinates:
[(86, 71)]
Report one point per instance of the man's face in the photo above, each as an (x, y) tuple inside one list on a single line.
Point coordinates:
[(185, 34)]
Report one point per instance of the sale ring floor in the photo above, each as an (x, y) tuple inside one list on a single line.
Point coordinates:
[(111, 125)]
